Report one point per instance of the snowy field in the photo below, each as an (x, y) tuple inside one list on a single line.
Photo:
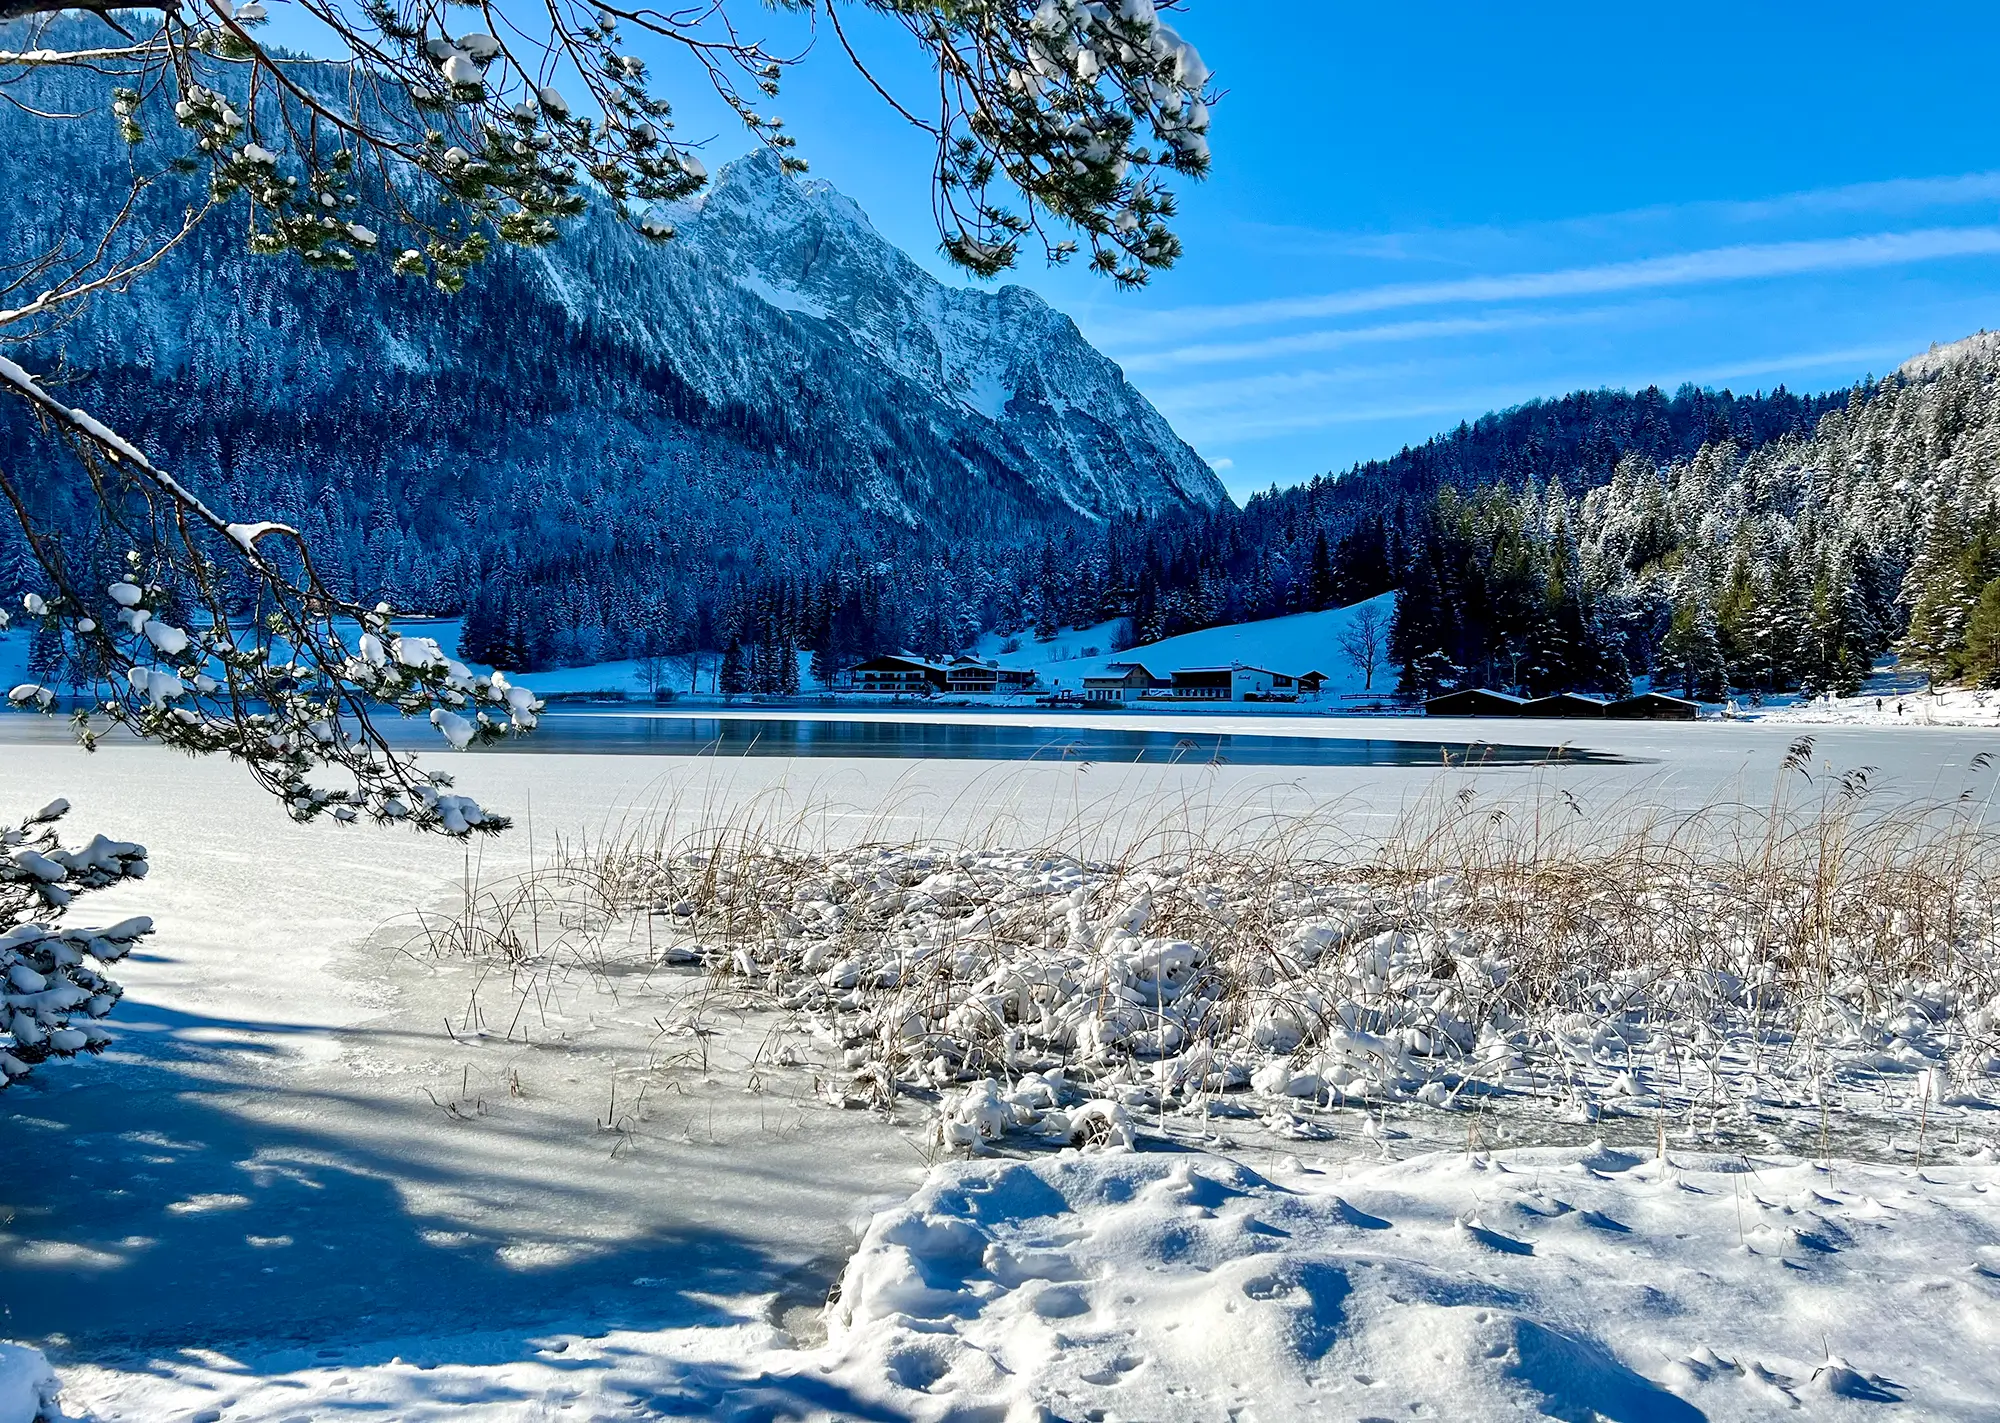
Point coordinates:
[(326, 1171), (1295, 645)]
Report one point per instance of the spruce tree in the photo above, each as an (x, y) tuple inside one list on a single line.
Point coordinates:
[(1691, 655), (1737, 622), (1932, 590), (734, 679)]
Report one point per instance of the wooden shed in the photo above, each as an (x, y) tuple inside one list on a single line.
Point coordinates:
[(1653, 706), (1568, 704), (1474, 701)]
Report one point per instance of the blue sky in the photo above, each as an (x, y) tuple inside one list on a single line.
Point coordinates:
[(1423, 211)]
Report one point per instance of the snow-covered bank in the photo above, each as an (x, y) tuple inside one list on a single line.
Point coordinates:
[(1896, 706)]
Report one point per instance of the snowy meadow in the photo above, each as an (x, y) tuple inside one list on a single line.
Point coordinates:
[(784, 1089)]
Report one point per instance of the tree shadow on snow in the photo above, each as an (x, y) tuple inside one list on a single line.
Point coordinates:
[(153, 1205)]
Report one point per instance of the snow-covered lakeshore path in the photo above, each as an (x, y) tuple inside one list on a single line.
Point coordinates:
[(305, 1185)]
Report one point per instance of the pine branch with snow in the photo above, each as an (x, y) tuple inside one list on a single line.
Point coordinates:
[(53, 990)]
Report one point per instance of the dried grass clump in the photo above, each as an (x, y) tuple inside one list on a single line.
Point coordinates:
[(1827, 951)]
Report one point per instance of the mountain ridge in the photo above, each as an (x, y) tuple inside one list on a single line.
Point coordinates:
[(1005, 355)]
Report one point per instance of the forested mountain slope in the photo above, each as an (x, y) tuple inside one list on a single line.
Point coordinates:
[(1338, 539), (1795, 564), (626, 437)]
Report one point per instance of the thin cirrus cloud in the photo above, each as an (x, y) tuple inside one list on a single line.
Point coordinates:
[(1318, 342), (1743, 262), (1233, 410), (1880, 198)]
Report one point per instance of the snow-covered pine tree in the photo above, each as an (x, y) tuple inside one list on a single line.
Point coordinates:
[(1690, 656), (1980, 663), (1944, 586), (733, 680), (1738, 615), (1842, 636)]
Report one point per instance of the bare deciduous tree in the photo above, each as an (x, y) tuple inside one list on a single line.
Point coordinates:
[(1364, 640)]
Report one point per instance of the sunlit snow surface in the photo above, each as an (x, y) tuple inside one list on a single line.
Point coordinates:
[(321, 1177), (1575, 1283)]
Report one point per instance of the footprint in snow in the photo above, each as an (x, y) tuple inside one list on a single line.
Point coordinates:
[(1060, 1302), (1113, 1372)]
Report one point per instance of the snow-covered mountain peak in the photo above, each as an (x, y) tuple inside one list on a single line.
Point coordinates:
[(1002, 356), (824, 195)]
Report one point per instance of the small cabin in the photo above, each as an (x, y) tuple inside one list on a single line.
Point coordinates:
[(1474, 701), (1119, 682), (1565, 704), (1311, 684), (1653, 706)]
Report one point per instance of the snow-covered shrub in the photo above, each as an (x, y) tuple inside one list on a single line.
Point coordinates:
[(52, 987)]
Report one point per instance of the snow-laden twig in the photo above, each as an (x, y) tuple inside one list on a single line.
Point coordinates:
[(53, 989)]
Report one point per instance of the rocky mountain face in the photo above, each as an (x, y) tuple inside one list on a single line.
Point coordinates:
[(1085, 437)]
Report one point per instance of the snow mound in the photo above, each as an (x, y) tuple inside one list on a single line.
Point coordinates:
[(1567, 1283), (28, 1386)]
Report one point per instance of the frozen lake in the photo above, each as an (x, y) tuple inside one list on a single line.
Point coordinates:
[(323, 1146), (966, 739)]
